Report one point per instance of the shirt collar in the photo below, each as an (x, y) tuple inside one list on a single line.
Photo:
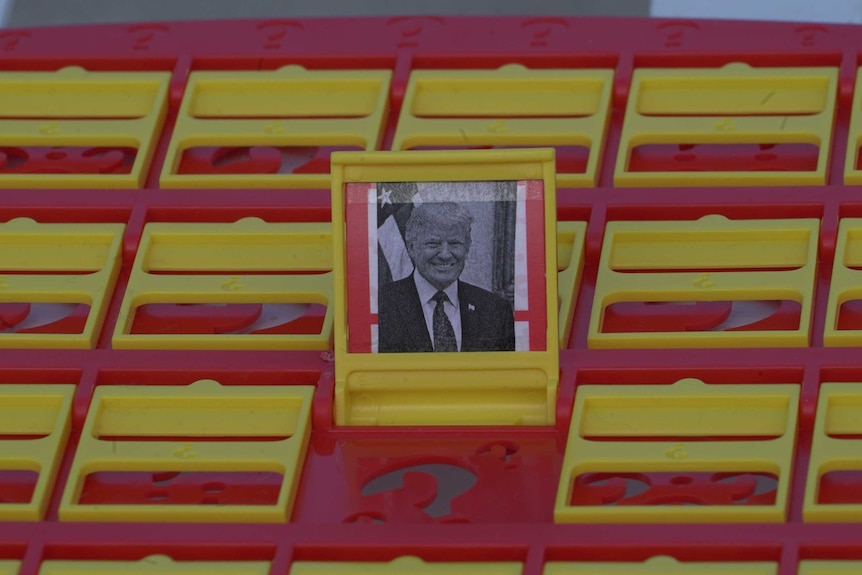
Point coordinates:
[(427, 291)]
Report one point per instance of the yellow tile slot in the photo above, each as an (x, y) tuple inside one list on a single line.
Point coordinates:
[(844, 286), (405, 565), (735, 104), (76, 108), (661, 565), (154, 565), (839, 413), (9, 567), (246, 262), (687, 427), (57, 265), (511, 106), (161, 415), (291, 106), (33, 410), (709, 260)]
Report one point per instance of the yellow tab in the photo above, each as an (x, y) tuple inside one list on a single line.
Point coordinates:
[(512, 106), (660, 565), (406, 565), (9, 567), (809, 567), (43, 410), (286, 107), (74, 107), (485, 387), (66, 264), (735, 104), (839, 413), (229, 264), (845, 283), (706, 260), (203, 409), (154, 565), (661, 429)]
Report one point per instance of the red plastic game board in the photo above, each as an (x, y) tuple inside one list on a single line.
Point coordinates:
[(498, 501)]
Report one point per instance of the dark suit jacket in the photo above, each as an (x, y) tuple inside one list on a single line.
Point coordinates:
[(487, 321)]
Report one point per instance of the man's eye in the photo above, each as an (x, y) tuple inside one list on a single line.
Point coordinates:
[(432, 245)]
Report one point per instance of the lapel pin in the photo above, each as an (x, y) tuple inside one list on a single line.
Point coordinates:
[(471, 307)]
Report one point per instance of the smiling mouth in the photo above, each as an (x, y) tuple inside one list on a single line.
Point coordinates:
[(444, 267)]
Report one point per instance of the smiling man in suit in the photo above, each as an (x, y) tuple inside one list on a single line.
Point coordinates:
[(432, 309)]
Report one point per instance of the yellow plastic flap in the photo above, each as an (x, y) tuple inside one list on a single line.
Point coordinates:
[(64, 264), (74, 107), (203, 409), (511, 106), (711, 259), (735, 104), (290, 106), (835, 447), (41, 410), (687, 427), (229, 264)]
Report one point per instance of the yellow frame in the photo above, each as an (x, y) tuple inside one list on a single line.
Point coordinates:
[(488, 388), (734, 104), (687, 409), (439, 106), (203, 409), (75, 107), (307, 108)]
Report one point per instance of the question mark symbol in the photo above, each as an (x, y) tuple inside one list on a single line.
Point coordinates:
[(674, 32), (144, 34), (411, 27), (276, 30), (452, 481), (809, 34), (541, 29), (10, 39)]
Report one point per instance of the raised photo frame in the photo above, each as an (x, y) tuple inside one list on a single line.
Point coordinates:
[(445, 270)]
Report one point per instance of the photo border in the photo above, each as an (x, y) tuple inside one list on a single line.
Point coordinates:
[(360, 235)]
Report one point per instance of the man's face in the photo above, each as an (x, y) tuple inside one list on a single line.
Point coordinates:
[(440, 252)]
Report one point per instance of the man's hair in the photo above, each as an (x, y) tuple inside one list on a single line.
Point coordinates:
[(425, 214)]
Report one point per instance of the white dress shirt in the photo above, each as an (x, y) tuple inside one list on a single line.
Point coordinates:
[(451, 307)]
